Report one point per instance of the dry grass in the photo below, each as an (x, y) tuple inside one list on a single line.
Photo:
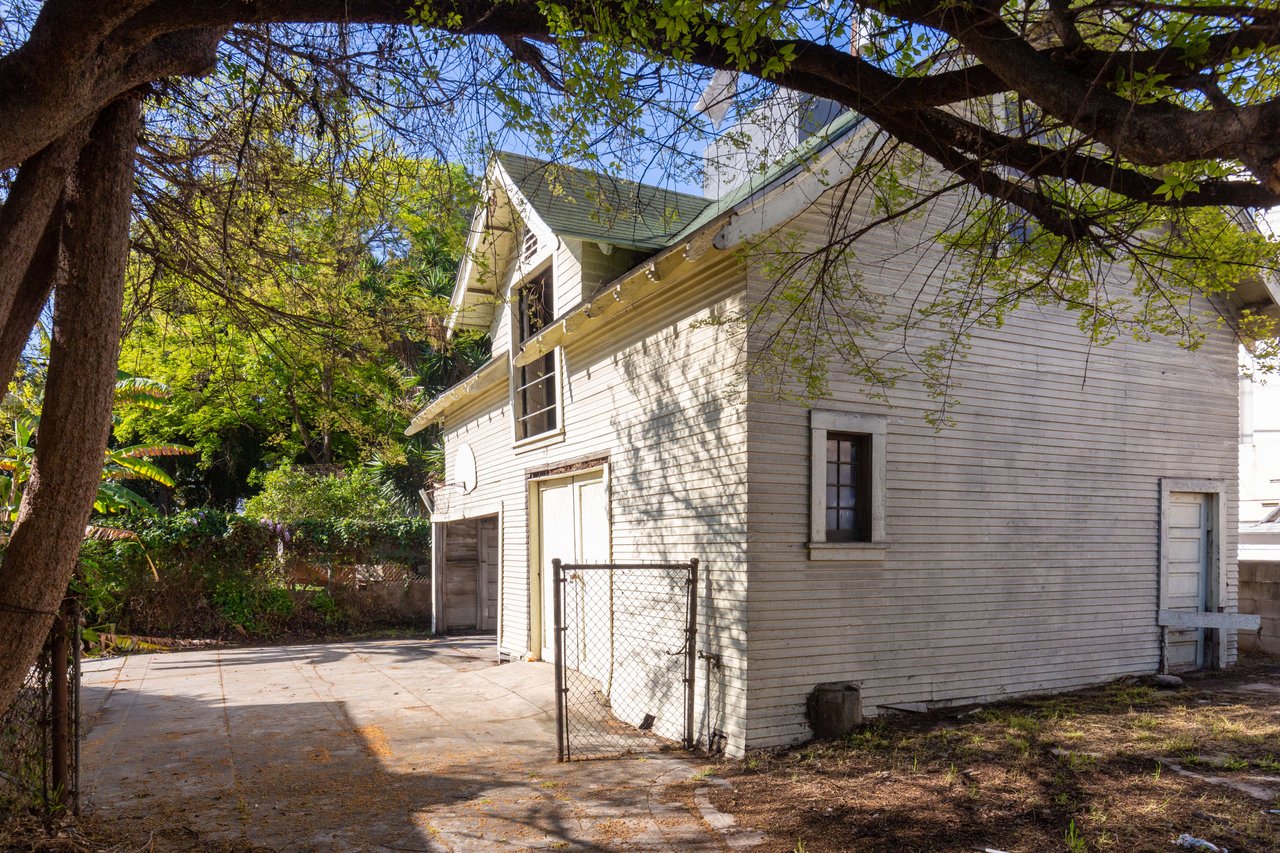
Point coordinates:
[(1084, 771)]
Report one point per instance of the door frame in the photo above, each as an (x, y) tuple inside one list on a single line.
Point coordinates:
[(534, 485), (1217, 490), (439, 535), (482, 581)]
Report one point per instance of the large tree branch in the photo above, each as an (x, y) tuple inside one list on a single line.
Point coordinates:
[(32, 295), (26, 212), (1147, 134)]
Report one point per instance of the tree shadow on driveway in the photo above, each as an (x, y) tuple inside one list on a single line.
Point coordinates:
[(223, 750)]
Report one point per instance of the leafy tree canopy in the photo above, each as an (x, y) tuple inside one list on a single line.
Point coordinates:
[(294, 312)]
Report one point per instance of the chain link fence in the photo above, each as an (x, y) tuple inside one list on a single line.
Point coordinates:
[(40, 732), (625, 655)]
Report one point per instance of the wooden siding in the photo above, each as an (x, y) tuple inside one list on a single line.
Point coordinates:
[(661, 398), (1022, 543)]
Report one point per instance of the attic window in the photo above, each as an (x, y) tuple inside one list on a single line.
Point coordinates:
[(528, 246)]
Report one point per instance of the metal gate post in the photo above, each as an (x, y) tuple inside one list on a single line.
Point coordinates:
[(691, 653), (76, 628), (60, 707), (557, 594)]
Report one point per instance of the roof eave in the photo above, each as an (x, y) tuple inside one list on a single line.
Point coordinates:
[(482, 380)]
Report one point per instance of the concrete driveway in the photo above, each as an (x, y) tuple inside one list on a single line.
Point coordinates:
[(369, 746)]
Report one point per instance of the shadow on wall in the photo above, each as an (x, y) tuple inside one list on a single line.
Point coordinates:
[(680, 490)]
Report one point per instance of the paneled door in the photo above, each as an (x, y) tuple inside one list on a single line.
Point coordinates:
[(1190, 582), (573, 526)]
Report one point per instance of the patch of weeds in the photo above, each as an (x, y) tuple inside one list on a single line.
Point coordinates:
[(1020, 743), (1128, 695), (327, 608), (1145, 722), (1078, 761), (799, 848), (873, 737), (1074, 840), (1179, 744)]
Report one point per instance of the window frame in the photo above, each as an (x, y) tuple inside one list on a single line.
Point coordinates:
[(555, 358), (821, 422)]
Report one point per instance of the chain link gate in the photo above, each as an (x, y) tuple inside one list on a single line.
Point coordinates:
[(40, 731), (625, 649)]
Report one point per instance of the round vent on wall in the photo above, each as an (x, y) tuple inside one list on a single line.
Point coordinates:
[(465, 476)]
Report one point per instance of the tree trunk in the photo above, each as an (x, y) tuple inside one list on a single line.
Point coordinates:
[(76, 420)]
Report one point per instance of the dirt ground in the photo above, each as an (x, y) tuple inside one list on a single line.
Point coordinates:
[(1126, 767)]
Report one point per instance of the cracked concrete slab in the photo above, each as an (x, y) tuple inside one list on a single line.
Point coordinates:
[(421, 745)]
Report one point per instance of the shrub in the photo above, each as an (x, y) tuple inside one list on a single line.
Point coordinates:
[(208, 573), (290, 495)]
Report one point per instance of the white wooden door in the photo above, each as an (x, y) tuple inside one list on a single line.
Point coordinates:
[(1189, 584), (573, 528)]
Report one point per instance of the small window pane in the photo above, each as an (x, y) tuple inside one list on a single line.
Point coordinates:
[(848, 487)]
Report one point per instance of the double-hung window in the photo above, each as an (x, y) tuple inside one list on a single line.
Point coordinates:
[(847, 485), (536, 396)]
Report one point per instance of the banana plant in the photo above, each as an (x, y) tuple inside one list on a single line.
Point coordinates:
[(121, 464)]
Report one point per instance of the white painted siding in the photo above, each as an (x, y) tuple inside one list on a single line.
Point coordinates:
[(660, 398), (1022, 542), (1022, 550)]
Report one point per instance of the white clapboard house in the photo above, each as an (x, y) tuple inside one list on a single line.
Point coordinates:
[(1065, 531)]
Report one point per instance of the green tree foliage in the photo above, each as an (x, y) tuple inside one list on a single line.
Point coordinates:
[(291, 495), (298, 317)]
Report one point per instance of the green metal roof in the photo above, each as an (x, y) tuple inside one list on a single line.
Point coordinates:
[(587, 205)]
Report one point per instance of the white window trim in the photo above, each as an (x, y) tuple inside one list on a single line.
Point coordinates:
[(542, 439), (822, 421)]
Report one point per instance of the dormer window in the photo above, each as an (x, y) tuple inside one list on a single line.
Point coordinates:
[(535, 393)]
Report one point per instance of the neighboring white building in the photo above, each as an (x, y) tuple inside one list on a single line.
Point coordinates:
[(1260, 468), (1036, 545)]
